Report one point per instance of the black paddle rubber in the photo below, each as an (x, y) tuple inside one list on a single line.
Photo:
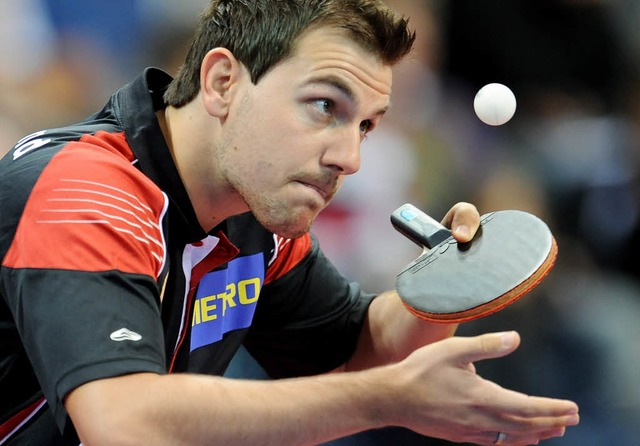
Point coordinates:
[(510, 254)]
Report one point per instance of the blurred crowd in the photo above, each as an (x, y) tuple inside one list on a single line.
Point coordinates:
[(570, 155)]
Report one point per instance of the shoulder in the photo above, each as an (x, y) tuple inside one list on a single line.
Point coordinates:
[(82, 189)]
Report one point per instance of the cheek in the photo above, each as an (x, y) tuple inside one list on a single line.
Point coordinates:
[(272, 139), (261, 170)]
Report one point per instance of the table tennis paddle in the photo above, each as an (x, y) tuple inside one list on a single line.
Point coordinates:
[(453, 282)]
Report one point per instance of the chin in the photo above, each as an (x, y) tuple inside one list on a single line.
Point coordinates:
[(289, 230), (291, 226), (283, 217)]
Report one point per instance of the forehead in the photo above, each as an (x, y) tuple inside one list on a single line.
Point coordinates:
[(330, 53)]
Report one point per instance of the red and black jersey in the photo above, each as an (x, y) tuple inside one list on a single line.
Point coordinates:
[(105, 271)]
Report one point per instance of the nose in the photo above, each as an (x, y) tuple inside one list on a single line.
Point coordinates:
[(343, 154)]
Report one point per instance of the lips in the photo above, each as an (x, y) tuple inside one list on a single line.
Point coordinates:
[(325, 189), (321, 190)]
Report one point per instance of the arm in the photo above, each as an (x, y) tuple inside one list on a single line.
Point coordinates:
[(434, 391), (390, 332), (187, 409)]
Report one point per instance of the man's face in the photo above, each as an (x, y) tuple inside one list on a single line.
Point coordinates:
[(290, 140)]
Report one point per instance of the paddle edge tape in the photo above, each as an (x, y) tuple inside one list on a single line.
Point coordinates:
[(496, 304)]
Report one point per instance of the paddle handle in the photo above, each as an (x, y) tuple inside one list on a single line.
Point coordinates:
[(418, 226)]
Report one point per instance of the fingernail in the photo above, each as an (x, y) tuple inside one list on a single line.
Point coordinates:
[(463, 230), (508, 339), (574, 411), (574, 420)]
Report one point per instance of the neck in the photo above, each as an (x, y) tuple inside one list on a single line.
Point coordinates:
[(193, 152)]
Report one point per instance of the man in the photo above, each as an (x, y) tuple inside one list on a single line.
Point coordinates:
[(143, 246)]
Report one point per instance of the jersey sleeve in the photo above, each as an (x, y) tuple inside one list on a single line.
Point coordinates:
[(309, 318), (80, 276)]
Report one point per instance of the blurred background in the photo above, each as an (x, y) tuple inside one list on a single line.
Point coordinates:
[(570, 155)]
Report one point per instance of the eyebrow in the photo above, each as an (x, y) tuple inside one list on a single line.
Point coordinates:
[(339, 84)]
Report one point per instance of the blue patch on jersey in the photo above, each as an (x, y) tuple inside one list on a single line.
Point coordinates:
[(226, 300)]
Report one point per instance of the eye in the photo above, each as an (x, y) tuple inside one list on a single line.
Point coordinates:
[(323, 106)]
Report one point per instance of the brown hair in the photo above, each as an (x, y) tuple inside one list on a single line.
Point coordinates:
[(261, 33)]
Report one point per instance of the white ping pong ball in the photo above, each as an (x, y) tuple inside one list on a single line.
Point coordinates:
[(495, 104)]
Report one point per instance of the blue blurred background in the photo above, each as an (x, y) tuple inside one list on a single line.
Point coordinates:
[(570, 155)]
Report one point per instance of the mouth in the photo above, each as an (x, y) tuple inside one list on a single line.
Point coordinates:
[(320, 190), (324, 189)]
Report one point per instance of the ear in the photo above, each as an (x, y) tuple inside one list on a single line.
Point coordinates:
[(219, 72)]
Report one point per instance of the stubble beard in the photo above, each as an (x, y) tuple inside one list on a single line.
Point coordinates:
[(284, 218), (278, 216), (274, 213)]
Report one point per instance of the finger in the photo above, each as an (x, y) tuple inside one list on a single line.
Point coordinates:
[(511, 411), (534, 438), (541, 417), (520, 411), (530, 438), (486, 346), (463, 219)]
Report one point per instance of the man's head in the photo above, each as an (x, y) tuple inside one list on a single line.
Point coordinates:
[(261, 33), (277, 96)]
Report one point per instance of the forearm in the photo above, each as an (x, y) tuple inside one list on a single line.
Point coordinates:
[(192, 410), (391, 333), (434, 391)]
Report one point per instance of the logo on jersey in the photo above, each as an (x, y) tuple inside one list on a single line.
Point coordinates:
[(226, 300), (30, 143), (124, 334)]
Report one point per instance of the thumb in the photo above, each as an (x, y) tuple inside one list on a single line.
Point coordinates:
[(490, 345)]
